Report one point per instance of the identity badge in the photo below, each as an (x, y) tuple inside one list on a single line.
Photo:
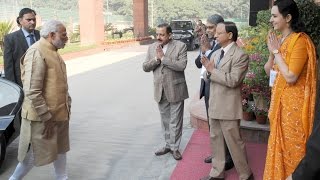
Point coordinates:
[(273, 75)]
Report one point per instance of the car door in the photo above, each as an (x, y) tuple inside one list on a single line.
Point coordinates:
[(11, 97)]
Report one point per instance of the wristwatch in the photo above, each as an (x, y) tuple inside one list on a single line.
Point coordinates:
[(275, 51)]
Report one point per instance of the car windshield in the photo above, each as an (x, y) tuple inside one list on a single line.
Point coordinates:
[(181, 25), (9, 97)]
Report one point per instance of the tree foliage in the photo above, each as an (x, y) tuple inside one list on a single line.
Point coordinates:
[(310, 15), (56, 4), (169, 9), (232, 9), (162, 10), (119, 7), (166, 10)]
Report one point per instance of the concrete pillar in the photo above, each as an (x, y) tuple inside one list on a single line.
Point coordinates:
[(91, 21), (140, 18)]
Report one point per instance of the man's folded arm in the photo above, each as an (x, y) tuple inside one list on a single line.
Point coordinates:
[(35, 69)]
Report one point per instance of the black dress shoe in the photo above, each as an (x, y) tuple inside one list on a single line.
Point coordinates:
[(162, 151), (228, 165), (211, 178), (176, 155), (208, 159)]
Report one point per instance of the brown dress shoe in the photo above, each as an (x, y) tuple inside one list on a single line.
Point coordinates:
[(208, 159), (176, 155), (162, 151), (211, 178)]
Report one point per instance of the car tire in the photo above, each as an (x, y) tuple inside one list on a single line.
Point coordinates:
[(3, 147)]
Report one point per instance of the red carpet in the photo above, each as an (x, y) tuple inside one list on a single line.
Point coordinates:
[(192, 167)]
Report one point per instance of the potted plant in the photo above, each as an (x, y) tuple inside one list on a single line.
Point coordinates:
[(247, 103), (248, 114), (261, 114)]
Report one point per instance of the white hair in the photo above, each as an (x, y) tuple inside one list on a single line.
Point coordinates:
[(49, 27)]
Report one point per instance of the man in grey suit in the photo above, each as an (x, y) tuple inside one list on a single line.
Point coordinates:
[(167, 59), (17, 43), (226, 71)]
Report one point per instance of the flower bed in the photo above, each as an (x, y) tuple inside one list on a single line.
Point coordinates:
[(255, 90)]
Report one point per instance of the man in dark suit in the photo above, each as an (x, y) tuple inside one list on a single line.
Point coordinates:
[(17, 43), (208, 46), (167, 59)]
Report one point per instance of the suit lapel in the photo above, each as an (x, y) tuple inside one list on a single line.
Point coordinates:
[(228, 56), (216, 47), (216, 57), (23, 40), (37, 35), (170, 48)]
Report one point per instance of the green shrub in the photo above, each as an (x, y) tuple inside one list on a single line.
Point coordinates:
[(5, 28), (263, 18), (310, 15), (152, 31), (74, 37), (108, 27)]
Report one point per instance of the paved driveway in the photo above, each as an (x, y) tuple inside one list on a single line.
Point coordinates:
[(115, 124)]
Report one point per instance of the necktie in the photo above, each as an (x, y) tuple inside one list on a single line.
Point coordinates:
[(221, 56), (31, 36), (213, 44)]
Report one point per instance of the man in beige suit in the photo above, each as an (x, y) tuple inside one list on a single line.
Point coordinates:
[(226, 71), (167, 59), (44, 136)]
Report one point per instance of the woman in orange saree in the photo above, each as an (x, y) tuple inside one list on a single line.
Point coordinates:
[(292, 62)]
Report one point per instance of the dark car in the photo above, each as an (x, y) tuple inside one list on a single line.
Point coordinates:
[(183, 30), (11, 97)]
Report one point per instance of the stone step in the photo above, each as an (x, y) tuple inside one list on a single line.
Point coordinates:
[(250, 131)]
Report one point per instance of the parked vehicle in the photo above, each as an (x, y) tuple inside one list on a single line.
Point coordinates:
[(183, 30), (121, 29), (11, 97)]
